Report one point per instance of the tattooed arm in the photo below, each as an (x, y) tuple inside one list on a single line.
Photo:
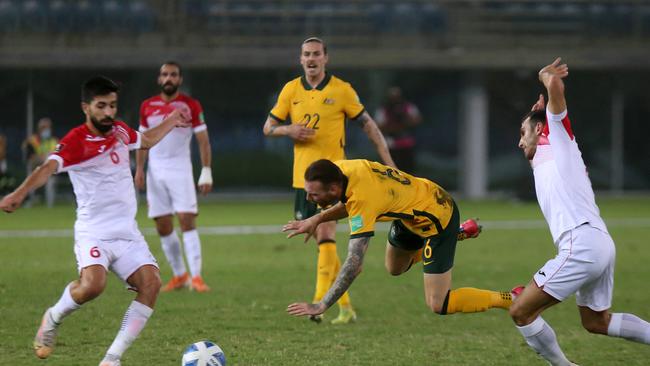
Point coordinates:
[(349, 271), (374, 134)]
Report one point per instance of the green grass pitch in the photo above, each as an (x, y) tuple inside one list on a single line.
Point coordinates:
[(255, 276)]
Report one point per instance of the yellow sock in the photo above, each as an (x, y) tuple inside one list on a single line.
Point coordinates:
[(472, 300), (327, 258)]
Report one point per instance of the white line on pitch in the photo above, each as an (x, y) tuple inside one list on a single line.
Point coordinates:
[(275, 229)]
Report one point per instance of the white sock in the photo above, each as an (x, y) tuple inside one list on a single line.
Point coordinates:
[(64, 307), (630, 327), (172, 248), (192, 245), (134, 321), (541, 337)]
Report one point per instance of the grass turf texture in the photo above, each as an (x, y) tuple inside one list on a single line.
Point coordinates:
[(254, 277)]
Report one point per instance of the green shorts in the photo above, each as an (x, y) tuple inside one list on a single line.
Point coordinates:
[(439, 250), (302, 208)]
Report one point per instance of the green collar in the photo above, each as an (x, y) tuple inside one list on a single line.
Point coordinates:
[(320, 86)]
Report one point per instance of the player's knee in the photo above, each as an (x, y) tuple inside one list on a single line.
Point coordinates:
[(519, 315), (437, 306), (154, 283), (164, 225), (393, 269), (187, 223), (90, 290), (150, 287), (164, 229)]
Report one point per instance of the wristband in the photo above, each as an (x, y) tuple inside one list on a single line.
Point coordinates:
[(206, 176)]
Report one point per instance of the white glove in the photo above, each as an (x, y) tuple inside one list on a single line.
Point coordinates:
[(206, 176)]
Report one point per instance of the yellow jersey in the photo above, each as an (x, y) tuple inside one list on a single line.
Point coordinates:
[(324, 109), (375, 192)]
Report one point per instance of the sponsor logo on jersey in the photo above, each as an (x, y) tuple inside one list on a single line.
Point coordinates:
[(329, 101), (59, 147)]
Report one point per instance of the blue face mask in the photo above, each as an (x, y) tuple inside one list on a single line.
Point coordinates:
[(46, 134)]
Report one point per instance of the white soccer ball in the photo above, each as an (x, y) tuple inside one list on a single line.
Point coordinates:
[(203, 353)]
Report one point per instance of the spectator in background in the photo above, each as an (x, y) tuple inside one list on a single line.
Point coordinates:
[(37, 148), (396, 119), (6, 181)]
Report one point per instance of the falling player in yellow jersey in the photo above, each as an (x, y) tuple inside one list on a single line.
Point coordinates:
[(425, 223), (317, 105)]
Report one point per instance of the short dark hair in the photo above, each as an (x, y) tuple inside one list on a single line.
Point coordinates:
[(316, 40), (536, 116), (174, 63), (324, 171), (98, 85)]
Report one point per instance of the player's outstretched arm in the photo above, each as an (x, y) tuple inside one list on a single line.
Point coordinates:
[(37, 179), (152, 136), (349, 271), (374, 134), (551, 76), (309, 225)]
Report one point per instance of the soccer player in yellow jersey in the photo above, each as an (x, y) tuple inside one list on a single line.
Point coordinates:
[(317, 105), (425, 223)]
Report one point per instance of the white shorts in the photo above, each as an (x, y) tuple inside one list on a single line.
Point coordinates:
[(170, 193), (584, 266), (122, 257)]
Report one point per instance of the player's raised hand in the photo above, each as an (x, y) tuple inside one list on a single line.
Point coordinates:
[(540, 104), (298, 227), (303, 308), (300, 133), (554, 70), (11, 202)]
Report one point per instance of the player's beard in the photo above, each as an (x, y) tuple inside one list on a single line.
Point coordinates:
[(99, 125), (169, 89)]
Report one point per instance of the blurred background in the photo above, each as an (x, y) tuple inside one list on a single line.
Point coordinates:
[(470, 68)]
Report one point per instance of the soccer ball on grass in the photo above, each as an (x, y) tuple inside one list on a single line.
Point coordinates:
[(203, 353)]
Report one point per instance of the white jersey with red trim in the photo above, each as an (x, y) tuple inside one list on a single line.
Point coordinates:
[(562, 184), (100, 173), (173, 151)]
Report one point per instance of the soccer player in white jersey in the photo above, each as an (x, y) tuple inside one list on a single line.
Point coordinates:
[(584, 265), (96, 157), (169, 179)]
